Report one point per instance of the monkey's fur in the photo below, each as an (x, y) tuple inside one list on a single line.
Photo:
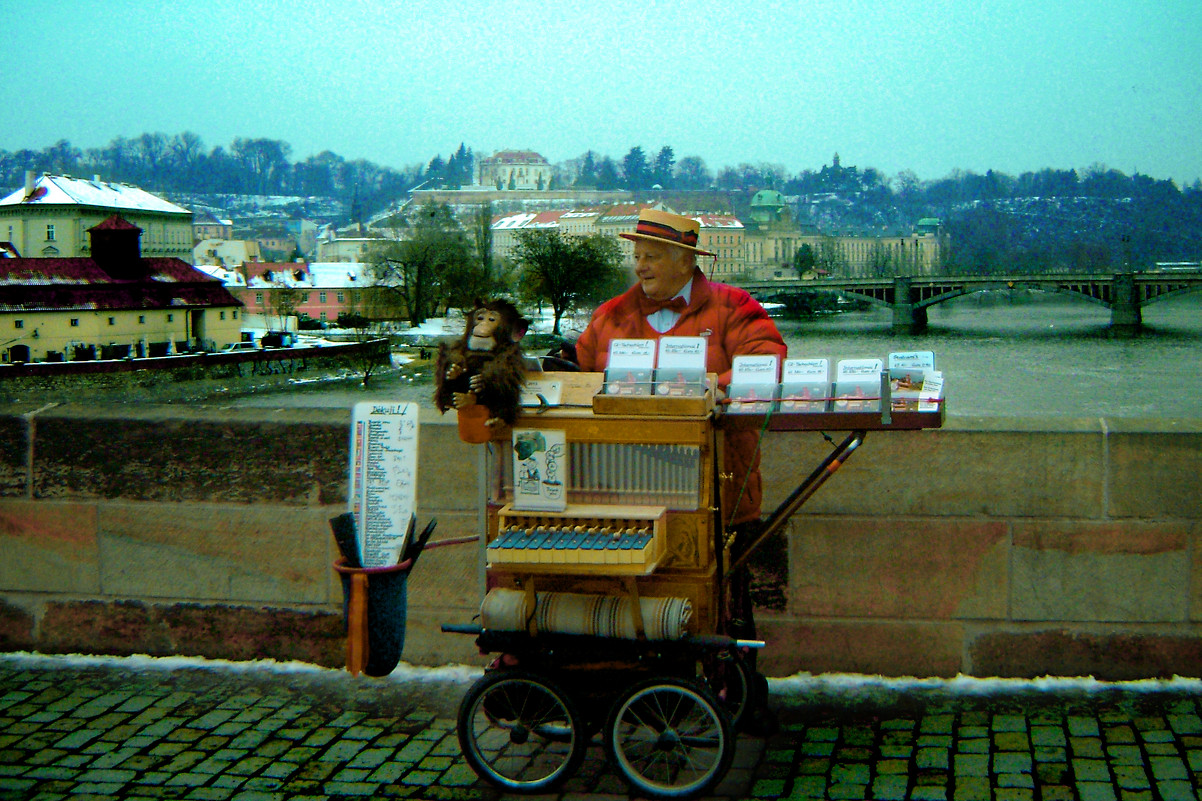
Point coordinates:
[(485, 365)]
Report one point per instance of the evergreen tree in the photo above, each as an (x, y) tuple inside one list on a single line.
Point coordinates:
[(662, 171), (635, 172), (607, 175), (587, 179)]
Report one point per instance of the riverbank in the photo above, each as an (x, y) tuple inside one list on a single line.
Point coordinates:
[(1026, 356)]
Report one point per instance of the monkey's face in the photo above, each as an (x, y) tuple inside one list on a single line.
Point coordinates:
[(485, 322)]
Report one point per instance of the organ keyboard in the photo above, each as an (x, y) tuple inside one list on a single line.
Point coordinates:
[(640, 496), (627, 540)]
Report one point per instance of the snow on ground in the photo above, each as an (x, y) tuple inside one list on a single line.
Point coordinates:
[(404, 673), (842, 686)]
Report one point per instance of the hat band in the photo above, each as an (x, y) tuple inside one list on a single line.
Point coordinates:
[(661, 231)]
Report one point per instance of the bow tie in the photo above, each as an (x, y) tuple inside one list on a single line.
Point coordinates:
[(649, 306)]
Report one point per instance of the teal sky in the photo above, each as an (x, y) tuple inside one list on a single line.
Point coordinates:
[(930, 86)]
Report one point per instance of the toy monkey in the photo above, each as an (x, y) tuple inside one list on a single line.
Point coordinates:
[(485, 365)]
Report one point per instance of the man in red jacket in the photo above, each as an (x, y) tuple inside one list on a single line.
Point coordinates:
[(673, 298)]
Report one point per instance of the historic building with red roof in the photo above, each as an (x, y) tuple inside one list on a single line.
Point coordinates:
[(113, 303)]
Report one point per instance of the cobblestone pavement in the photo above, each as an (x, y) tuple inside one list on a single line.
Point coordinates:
[(83, 728)]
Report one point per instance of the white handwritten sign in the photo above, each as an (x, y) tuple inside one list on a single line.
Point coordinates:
[(688, 352), (383, 494), (632, 353)]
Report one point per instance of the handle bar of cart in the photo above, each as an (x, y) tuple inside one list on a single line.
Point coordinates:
[(706, 642)]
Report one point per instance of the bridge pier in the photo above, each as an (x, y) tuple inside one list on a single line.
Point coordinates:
[(907, 317), (1126, 316)]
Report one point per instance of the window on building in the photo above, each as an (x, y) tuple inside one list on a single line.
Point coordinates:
[(323, 315), (18, 323), (171, 318), (75, 322), (112, 321), (235, 314), (259, 298), (321, 297), (49, 232), (341, 297), (142, 319), (222, 316)]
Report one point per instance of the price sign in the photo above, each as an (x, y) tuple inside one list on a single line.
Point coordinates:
[(383, 494)]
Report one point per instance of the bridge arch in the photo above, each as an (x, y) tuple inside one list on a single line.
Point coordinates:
[(909, 297)]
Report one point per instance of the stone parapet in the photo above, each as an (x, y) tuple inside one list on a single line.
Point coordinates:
[(1012, 548)]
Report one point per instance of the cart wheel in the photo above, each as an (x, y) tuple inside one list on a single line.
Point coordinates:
[(669, 738), (736, 685), (520, 732)]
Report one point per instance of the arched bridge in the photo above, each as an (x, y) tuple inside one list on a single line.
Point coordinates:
[(1125, 294)]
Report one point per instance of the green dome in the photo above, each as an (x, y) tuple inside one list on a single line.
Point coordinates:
[(768, 197)]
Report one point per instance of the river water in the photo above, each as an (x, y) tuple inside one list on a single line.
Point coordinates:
[(1015, 354), (1035, 355)]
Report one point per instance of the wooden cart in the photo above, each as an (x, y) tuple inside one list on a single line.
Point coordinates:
[(608, 615)]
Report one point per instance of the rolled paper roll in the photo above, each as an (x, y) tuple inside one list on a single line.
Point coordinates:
[(580, 613)]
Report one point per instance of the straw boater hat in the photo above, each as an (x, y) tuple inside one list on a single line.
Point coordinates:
[(671, 229)]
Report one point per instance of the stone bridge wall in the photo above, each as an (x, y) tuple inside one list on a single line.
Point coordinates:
[(1007, 548)]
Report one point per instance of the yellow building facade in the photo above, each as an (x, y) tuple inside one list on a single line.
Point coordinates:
[(722, 235), (51, 215), (83, 335), (762, 247), (514, 169)]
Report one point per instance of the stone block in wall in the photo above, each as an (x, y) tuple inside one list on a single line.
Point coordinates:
[(175, 453), (908, 648), (1104, 655), (16, 628), (214, 631), (244, 633), (449, 576), (1122, 572), (1008, 468), (14, 451), (215, 552), (448, 468), (49, 547), (1155, 473), (868, 567), (103, 627)]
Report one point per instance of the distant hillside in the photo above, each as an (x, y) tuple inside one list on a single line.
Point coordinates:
[(252, 208), (1052, 219)]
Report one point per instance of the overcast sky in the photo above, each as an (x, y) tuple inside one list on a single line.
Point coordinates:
[(928, 86)]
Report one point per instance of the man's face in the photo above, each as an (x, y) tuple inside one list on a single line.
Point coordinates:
[(661, 269)]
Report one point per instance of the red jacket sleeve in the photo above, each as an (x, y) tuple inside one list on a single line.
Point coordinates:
[(749, 331)]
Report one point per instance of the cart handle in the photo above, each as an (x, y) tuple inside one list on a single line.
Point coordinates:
[(462, 628), (719, 641), (714, 641)]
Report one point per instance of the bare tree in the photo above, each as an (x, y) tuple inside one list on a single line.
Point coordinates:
[(570, 272)]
